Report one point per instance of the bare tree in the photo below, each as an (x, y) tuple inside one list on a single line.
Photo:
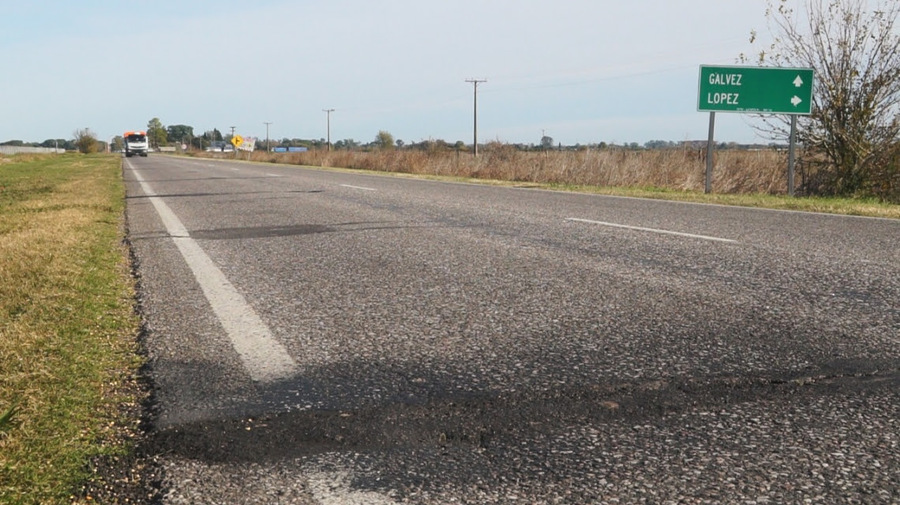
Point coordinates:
[(852, 135)]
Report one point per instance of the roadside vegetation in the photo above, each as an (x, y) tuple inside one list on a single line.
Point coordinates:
[(852, 138), (84, 141), (753, 178), (67, 325)]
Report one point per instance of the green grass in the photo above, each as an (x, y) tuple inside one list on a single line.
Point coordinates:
[(67, 325)]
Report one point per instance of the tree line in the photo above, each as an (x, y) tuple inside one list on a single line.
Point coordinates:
[(66, 144)]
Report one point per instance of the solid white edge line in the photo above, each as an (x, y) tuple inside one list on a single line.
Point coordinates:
[(653, 230), (358, 187), (264, 358)]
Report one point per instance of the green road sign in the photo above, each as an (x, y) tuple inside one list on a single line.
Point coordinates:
[(756, 90)]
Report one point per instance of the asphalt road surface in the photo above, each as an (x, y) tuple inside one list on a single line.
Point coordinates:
[(334, 337)]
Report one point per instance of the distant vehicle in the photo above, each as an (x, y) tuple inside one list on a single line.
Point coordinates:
[(136, 143), (220, 146)]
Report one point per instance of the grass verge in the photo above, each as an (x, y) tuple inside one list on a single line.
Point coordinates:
[(678, 182), (841, 206), (67, 325), (741, 178)]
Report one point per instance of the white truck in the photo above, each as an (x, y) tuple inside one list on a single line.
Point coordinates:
[(136, 143)]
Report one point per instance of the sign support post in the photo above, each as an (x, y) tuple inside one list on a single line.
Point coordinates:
[(710, 150), (791, 155)]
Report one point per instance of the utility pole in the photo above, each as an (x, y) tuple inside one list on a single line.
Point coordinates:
[(475, 83), (328, 125), (267, 123), (232, 131)]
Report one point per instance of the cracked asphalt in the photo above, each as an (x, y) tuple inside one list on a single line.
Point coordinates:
[(459, 343)]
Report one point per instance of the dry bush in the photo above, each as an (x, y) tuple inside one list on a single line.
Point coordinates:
[(736, 171)]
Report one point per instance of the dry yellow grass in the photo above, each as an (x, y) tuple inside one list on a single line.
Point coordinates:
[(679, 170)]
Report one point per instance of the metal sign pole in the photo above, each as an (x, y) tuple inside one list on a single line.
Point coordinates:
[(710, 149), (791, 155)]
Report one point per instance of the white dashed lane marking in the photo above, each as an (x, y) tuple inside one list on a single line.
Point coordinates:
[(653, 230), (361, 188)]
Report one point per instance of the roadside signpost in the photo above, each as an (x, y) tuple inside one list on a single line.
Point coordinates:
[(754, 90), (247, 144)]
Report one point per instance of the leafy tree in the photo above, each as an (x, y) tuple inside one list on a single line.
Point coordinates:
[(854, 47), (659, 144), (546, 142), (346, 144), (57, 143), (384, 140), (287, 142), (156, 133), (214, 135), (86, 141), (180, 132), (15, 143), (118, 143)]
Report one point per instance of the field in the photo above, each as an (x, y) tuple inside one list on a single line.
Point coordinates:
[(67, 325), (675, 169)]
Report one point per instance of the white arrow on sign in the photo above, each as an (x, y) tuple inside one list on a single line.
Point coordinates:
[(798, 81), (796, 100)]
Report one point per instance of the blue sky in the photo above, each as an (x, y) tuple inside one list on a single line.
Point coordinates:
[(581, 71)]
